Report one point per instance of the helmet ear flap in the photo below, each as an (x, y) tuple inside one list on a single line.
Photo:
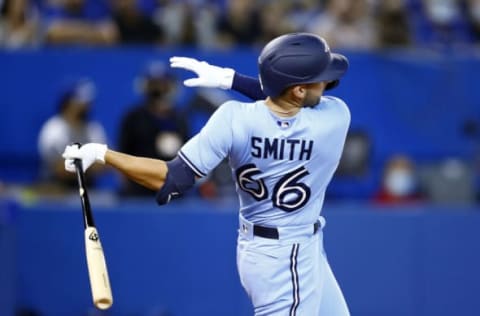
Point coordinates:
[(332, 84)]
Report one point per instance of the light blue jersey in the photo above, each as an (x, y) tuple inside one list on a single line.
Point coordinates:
[(281, 165)]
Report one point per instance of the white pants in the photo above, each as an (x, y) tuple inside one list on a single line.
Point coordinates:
[(289, 276)]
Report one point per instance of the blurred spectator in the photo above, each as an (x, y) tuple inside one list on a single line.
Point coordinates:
[(19, 24), (175, 18), (133, 26), (442, 24), (85, 22), (392, 23), (346, 24), (153, 128), (240, 22), (189, 22), (356, 156), (449, 181), (473, 15), (399, 183), (71, 124), (301, 12), (205, 24), (274, 21)]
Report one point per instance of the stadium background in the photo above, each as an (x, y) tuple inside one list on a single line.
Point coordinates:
[(419, 99)]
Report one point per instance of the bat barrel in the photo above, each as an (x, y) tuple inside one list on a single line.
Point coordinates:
[(97, 270)]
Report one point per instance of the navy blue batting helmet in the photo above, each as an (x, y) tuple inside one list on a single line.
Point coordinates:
[(298, 58)]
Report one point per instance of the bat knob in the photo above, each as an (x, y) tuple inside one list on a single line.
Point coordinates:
[(104, 303)]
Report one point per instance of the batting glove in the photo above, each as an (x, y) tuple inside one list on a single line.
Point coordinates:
[(209, 76), (88, 153)]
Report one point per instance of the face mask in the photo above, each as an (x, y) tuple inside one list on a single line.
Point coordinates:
[(400, 182)]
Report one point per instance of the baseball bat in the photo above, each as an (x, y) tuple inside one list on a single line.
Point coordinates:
[(97, 266)]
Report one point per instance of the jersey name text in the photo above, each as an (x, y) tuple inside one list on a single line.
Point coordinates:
[(281, 148)]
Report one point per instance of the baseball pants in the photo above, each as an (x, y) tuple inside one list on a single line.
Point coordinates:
[(289, 275)]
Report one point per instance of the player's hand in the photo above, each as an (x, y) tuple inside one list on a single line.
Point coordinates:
[(88, 153), (209, 76)]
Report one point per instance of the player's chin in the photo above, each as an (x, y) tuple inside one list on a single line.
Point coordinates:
[(311, 101)]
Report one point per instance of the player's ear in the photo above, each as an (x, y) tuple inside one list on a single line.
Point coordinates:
[(299, 91)]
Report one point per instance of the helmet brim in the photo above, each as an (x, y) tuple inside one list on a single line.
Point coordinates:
[(337, 67)]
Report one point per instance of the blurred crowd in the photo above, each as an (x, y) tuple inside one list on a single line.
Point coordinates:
[(155, 127), (213, 24)]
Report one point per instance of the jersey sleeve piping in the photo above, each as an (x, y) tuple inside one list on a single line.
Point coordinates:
[(197, 171)]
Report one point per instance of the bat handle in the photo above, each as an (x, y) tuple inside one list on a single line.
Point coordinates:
[(88, 220), (78, 162)]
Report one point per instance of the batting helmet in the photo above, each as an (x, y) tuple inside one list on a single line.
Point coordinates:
[(298, 58)]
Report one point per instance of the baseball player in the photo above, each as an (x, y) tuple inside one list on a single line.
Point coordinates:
[(283, 151)]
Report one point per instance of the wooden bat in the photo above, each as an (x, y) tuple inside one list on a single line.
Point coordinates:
[(97, 266)]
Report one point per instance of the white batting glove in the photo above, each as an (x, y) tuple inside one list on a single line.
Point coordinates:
[(209, 76), (88, 153)]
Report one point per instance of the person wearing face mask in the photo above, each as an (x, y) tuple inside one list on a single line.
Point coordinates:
[(399, 183), (71, 123), (153, 127)]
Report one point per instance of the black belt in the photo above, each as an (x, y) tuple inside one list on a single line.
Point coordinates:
[(272, 233)]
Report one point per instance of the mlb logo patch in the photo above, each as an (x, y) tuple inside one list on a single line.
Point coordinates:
[(283, 124)]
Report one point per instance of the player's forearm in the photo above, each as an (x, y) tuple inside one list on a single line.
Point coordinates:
[(150, 173)]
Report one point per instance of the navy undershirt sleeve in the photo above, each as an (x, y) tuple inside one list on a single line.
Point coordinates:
[(180, 178), (248, 86)]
